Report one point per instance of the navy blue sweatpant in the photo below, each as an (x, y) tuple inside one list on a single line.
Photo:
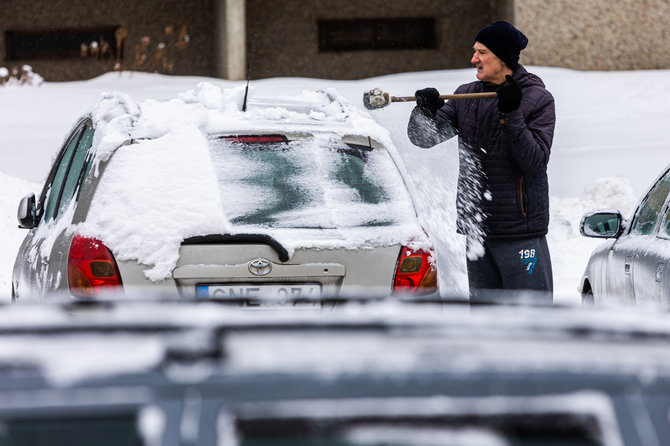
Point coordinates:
[(512, 264)]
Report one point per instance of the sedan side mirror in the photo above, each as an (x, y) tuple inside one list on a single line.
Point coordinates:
[(27, 213), (602, 224)]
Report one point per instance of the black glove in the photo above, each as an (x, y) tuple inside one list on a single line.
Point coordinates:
[(509, 95), (429, 101)]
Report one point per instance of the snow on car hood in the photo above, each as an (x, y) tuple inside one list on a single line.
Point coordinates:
[(160, 187)]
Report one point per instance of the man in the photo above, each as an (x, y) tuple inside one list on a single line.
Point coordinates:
[(504, 146)]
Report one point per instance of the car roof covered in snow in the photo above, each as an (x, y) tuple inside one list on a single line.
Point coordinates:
[(343, 336), (118, 117)]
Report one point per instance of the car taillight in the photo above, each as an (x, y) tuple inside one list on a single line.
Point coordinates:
[(91, 267), (415, 273)]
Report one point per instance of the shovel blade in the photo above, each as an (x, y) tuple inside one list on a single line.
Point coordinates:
[(375, 99)]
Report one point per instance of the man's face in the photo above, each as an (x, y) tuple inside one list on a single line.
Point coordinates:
[(489, 67)]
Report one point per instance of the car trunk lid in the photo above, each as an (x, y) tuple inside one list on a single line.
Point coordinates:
[(246, 267)]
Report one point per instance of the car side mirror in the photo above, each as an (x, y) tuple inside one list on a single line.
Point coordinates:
[(602, 224), (27, 213)]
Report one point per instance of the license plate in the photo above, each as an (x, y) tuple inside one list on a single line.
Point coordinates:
[(258, 291)]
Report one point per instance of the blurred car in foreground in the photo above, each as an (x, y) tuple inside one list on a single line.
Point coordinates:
[(294, 197), (632, 266), (369, 372)]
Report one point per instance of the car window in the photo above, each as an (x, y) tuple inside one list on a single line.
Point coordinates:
[(107, 429), (523, 429), (74, 175), (308, 184), (68, 172), (664, 231), (59, 177), (646, 216)]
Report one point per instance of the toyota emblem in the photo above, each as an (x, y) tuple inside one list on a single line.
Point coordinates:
[(260, 267)]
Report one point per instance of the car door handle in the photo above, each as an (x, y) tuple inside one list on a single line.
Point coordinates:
[(629, 261), (660, 269)]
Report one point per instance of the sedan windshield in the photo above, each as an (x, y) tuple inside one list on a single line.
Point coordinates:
[(311, 183)]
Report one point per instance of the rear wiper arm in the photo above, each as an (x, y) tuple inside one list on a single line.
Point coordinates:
[(239, 239)]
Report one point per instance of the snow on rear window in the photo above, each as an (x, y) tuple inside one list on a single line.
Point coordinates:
[(318, 182)]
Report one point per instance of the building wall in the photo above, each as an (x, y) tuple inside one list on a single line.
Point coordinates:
[(141, 18), (286, 42), (578, 34), (286, 36), (595, 34)]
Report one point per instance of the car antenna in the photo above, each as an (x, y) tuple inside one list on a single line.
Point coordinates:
[(251, 61)]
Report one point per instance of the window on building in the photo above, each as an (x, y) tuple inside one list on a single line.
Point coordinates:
[(376, 34), (58, 44)]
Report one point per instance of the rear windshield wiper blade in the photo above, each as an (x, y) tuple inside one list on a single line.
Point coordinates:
[(239, 239)]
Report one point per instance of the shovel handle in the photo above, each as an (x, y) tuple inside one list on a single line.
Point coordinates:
[(491, 94)]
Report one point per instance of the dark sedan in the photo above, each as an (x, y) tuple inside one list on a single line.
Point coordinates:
[(388, 372)]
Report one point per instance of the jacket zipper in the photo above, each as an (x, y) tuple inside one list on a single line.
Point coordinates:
[(522, 198)]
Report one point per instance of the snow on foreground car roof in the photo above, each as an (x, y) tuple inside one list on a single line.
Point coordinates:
[(162, 188), (63, 341)]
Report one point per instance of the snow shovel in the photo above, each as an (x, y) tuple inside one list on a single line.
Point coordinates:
[(377, 98)]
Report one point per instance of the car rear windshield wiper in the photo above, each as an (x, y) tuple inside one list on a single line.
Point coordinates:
[(238, 239)]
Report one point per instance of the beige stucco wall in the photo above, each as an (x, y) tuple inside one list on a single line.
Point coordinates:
[(595, 34)]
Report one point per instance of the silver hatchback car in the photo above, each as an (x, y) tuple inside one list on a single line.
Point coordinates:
[(632, 266), (296, 197)]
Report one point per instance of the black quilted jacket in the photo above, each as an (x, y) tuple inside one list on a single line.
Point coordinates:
[(502, 183)]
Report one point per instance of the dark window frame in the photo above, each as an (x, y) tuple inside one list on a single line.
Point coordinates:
[(411, 33), (62, 43)]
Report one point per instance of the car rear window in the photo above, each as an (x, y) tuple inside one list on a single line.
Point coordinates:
[(55, 429), (527, 429), (318, 182)]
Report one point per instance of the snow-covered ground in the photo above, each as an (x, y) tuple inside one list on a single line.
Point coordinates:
[(609, 146)]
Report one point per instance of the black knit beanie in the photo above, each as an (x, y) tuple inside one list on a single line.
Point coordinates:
[(504, 40)]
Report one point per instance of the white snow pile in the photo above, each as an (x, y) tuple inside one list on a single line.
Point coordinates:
[(161, 184), (18, 78)]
